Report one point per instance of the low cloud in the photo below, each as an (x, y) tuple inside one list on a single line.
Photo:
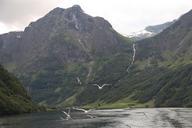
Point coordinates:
[(125, 15), (18, 13)]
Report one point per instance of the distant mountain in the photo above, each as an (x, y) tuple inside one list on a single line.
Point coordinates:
[(13, 97), (159, 28), (150, 31), (141, 35), (174, 42)]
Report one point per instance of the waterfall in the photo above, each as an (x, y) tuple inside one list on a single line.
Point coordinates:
[(133, 57)]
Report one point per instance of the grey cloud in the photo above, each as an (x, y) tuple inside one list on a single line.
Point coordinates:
[(20, 12)]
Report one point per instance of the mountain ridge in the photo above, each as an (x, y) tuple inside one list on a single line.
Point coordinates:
[(150, 31)]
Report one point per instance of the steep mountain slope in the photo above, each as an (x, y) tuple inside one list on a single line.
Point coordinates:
[(172, 43), (60, 47), (13, 97)]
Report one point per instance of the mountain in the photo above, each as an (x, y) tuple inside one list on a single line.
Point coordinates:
[(159, 28), (61, 56), (13, 97), (167, 56), (160, 75), (173, 43), (51, 53), (150, 31), (46, 37)]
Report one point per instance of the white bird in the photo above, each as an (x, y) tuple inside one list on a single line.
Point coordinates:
[(68, 116), (101, 87), (79, 81), (80, 109)]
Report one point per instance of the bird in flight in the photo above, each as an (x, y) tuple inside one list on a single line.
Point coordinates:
[(86, 112), (78, 81), (80, 109), (68, 116), (100, 87)]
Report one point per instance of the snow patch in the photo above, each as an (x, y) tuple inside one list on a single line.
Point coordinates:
[(141, 34)]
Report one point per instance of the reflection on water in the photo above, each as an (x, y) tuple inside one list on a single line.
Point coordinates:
[(119, 118), (51, 120)]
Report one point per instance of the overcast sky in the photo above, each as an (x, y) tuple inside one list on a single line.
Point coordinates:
[(126, 16)]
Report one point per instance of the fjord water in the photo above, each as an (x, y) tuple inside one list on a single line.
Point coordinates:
[(117, 118)]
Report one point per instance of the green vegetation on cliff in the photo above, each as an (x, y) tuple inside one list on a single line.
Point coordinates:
[(13, 97)]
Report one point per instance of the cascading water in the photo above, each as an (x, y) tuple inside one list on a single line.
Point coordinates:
[(133, 57)]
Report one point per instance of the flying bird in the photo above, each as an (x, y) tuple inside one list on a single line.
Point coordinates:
[(68, 116), (100, 87), (80, 109)]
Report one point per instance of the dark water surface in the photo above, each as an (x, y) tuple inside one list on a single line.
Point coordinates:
[(118, 118)]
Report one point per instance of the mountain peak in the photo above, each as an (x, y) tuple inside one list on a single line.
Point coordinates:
[(77, 8), (74, 9), (57, 10)]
